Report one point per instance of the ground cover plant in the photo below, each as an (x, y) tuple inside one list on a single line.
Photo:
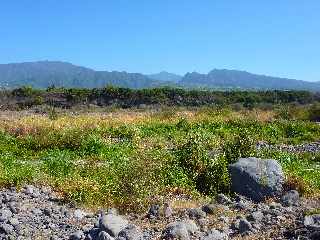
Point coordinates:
[(130, 157)]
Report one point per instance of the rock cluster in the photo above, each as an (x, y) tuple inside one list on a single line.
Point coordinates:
[(312, 147), (217, 220), (37, 213)]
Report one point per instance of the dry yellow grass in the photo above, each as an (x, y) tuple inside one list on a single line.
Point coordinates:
[(24, 123)]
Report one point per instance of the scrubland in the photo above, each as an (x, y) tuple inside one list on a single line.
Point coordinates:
[(130, 158)]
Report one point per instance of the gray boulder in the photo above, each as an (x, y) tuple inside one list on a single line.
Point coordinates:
[(112, 224), (215, 235), (312, 222), (104, 236), (244, 226), (196, 213), (256, 216), (6, 228), (78, 235), (5, 214), (191, 226), (180, 230), (176, 230), (290, 198), (222, 199), (79, 214), (209, 208), (167, 210), (257, 178), (154, 211), (131, 232)]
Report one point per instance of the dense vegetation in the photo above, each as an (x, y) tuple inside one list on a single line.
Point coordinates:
[(128, 158), (124, 97)]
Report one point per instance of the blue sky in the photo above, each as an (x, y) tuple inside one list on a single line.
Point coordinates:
[(274, 37)]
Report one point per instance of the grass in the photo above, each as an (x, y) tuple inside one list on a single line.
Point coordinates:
[(129, 158)]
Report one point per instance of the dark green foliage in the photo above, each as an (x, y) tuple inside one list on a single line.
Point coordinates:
[(208, 173), (240, 145), (58, 163), (125, 97), (92, 145), (314, 112)]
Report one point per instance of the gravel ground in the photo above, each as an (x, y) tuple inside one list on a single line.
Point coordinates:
[(313, 147), (38, 213)]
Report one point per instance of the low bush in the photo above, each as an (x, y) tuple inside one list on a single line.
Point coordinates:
[(238, 146), (314, 112), (208, 173)]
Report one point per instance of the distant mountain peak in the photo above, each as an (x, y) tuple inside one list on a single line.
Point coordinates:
[(166, 77), (226, 79)]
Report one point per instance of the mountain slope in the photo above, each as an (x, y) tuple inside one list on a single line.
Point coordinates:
[(166, 77), (61, 74), (46, 73), (241, 79)]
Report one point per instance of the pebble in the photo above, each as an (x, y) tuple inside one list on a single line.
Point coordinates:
[(27, 215)]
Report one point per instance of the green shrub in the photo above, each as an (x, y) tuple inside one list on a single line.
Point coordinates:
[(123, 132), (58, 163), (183, 124), (192, 155), (92, 145), (215, 179), (314, 112), (15, 172), (238, 146), (53, 114), (38, 100), (284, 113), (209, 174)]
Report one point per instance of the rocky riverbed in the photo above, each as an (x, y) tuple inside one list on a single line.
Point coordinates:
[(260, 209), (38, 213)]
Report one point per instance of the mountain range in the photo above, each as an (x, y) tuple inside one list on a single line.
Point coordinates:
[(43, 74)]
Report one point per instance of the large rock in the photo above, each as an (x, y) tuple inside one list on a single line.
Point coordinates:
[(312, 222), (244, 226), (257, 178), (104, 236), (291, 198), (5, 215), (209, 208), (215, 235), (196, 213), (222, 199), (256, 216), (77, 236), (112, 224), (154, 211), (181, 230), (131, 232), (176, 230)]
